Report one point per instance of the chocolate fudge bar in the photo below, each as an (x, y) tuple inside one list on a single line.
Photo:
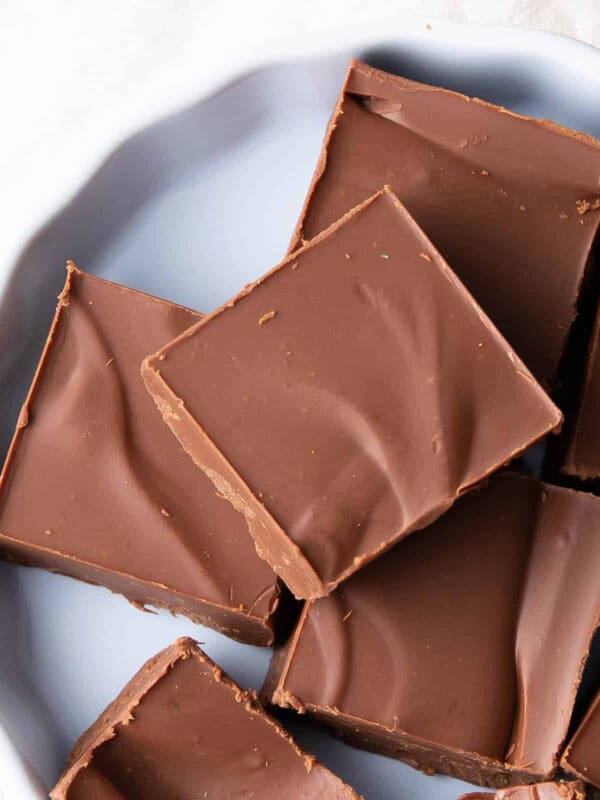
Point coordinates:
[(96, 487), (560, 790), (461, 651), (181, 730), (583, 454), (582, 756), (511, 202), (348, 397)]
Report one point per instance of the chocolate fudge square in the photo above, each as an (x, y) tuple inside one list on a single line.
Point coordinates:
[(512, 203), (348, 397), (96, 487)]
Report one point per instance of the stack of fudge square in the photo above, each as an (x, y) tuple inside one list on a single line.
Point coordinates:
[(347, 431)]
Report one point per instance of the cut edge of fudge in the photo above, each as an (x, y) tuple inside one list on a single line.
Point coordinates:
[(271, 541), (140, 592), (120, 713)]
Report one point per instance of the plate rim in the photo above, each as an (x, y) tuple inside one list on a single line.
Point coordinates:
[(191, 89)]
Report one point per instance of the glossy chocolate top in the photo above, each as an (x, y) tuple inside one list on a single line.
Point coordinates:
[(182, 730), (561, 790), (93, 474), (356, 390), (583, 454), (462, 633), (509, 201), (582, 756)]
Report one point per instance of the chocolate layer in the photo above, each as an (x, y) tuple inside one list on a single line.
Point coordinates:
[(461, 651), (582, 756), (583, 454), (96, 487), (509, 201), (561, 790), (348, 397), (182, 729)]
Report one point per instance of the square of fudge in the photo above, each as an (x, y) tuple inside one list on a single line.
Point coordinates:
[(182, 729), (348, 397), (513, 203), (461, 650), (96, 487)]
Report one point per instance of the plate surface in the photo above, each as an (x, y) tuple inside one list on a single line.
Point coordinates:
[(190, 209)]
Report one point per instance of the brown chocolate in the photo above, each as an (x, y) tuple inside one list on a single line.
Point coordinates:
[(582, 756), (182, 729), (348, 397), (509, 201), (461, 651), (96, 487), (583, 454), (561, 790)]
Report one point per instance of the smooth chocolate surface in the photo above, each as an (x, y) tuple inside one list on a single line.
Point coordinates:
[(96, 487), (348, 397), (462, 649), (182, 730), (511, 202), (582, 756), (583, 453), (561, 790)]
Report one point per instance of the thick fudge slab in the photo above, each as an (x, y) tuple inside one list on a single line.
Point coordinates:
[(561, 790), (511, 202), (462, 649), (182, 730), (582, 756), (348, 397), (583, 454), (96, 487)]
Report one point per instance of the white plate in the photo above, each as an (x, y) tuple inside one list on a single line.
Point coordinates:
[(190, 209)]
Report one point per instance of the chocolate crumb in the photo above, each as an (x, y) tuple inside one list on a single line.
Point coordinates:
[(266, 317), (583, 206), (23, 420)]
